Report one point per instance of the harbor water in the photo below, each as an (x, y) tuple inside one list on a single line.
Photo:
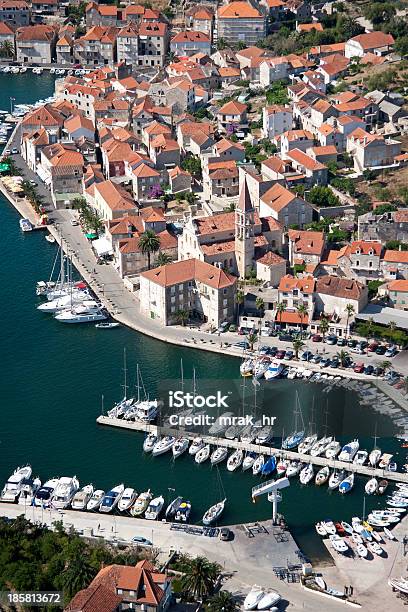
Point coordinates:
[(53, 377)]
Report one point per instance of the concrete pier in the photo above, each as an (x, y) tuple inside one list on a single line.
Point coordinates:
[(363, 470)]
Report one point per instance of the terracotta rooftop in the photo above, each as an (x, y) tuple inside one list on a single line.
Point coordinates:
[(232, 108), (374, 40), (365, 247), (278, 197), (339, 287), (307, 242), (271, 259), (396, 256), (115, 196), (190, 269), (191, 36), (398, 285), (238, 10), (305, 285), (42, 33)]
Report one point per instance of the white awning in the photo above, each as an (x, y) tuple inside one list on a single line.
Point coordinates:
[(102, 246)]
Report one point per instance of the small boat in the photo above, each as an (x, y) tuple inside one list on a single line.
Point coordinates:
[(349, 451), (264, 435), (374, 457), (141, 503), (221, 424), (107, 325), (203, 454), (180, 446), (371, 486), (321, 529), (335, 479), (246, 367), (64, 492), (306, 474), (82, 497), (214, 513), (269, 466), (357, 539), (320, 583), (87, 312), (338, 544), (183, 511), (305, 446), (249, 461), (347, 484), (361, 457), (44, 494), (163, 445), (281, 467), (329, 526), (96, 500), (29, 487), (333, 450), (50, 238), (253, 598), (377, 537), (268, 600), (154, 508), (127, 500), (26, 225), (274, 371), (258, 465), (322, 475), (362, 551), (375, 548), (172, 508), (149, 442), (347, 527), (384, 461), (196, 445), (111, 499), (293, 440), (388, 534), (235, 460), (12, 488), (293, 469), (218, 455), (382, 486)]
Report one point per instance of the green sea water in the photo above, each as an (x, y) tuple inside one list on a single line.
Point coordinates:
[(53, 377)]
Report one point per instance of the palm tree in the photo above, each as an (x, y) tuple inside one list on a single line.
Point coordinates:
[(149, 243), (342, 356), (260, 304), (77, 575), (370, 323), (385, 365), (349, 311), (392, 325), (163, 259), (297, 346), (239, 298), (7, 49), (302, 312), (223, 601), (252, 338), (199, 577), (182, 317), (280, 309), (323, 326)]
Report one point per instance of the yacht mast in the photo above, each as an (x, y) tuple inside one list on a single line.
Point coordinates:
[(124, 374)]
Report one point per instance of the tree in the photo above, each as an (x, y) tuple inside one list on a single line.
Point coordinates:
[(324, 326), (239, 298), (401, 45), (297, 344), (260, 304), (277, 93), (223, 601), (149, 243), (396, 245), (379, 12), (392, 325), (280, 309), (221, 44), (163, 259), (343, 356), (385, 365), (78, 573), (7, 49), (302, 312), (370, 324), (182, 317), (199, 578), (349, 310), (252, 338), (192, 164), (323, 196)]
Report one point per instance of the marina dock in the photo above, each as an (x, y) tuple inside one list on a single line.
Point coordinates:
[(363, 470)]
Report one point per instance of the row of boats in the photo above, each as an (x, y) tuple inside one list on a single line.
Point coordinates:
[(65, 492)]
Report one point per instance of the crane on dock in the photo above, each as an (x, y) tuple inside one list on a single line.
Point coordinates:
[(272, 488)]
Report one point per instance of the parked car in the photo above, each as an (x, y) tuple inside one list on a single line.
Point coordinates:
[(334, 363), (324, 363), (223, 327), (378, 371), (381, 350), (14, 151), (341, 342), (331, 340), (391, 351), (351, 343), (243, 344), (266, 331), (289, 355), (280, 354), (348, 362), (225, 534), (369, 370), (264, 350), (392, 374), (372, 347), (306, 356), (316, 358), (33, 183), (316, 338), (359, 368), (285, 338), (272, 351), (141, 541), (74, 222)]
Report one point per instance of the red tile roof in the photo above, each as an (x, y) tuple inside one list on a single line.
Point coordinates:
[(396, 256), (238, 10), (305, 285), (307, 242), (189, 269)]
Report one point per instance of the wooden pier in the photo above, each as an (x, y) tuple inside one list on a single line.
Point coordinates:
[(363, 470)]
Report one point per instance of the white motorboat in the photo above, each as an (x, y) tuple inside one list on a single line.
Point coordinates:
[(306, 474), (347, 527), (268, 600), (249, 461), (335, 479), (63, 302), (147, 410), (356, 537), (333, 449), (87, 312), (281, 467), (293, 469), (264, 435), (371, 486), (29, 487), (322, 475), (247, 367), (183, 511), (253, 598), (400, 585), (180, 446), (261, 365), (82, 497), (127, 500), (346, 484), (374, 457), (375, 548), (218, 455), (107, 325), (26, 225), (361, 551), (361, 457), (203, 454), (50, 238), (214, 513), (258, 465), (349, 451), (305, 446), (388, 534), (149, 442), (154, 508), (338, 544), (12, 488), (292, 373), (196, 445), (274, 370), (64, 492), (172, 508), (141, 503), (44, 494), (320, 583), (221, 424), (163, 445), (111, 499), (235, 460), (321, 529), (329, 526), (96, 500), (320, 446)]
